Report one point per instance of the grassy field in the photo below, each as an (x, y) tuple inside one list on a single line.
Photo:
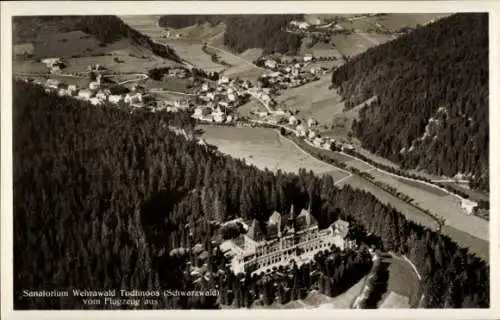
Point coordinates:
[(354, 44), (65, 45), (396, 21), (314, 99), (265, 148)]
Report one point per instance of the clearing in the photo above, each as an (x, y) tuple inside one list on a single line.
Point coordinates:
[(265, 148)]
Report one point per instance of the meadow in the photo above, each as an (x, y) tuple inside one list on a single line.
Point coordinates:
[(265, 149)]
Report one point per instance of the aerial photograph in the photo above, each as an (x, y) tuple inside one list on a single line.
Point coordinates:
[(251, 161)]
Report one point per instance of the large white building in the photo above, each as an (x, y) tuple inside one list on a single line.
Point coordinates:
[(282, 240)]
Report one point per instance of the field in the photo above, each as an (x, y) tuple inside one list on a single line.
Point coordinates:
[(314, 99), (65, 45), (265, 148), (356, 43), (251, 105), (397, 21)]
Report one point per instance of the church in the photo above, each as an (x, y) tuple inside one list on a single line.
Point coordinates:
[(282, 240)]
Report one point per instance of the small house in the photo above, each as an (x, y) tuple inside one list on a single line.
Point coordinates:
[(308, 57), (115, 98), (95, 101), (85, 94), (271, 64), (311, 122)]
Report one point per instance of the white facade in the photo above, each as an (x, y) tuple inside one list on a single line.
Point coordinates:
[(287, 238), (115, 98), (85, 94), (308, 57)]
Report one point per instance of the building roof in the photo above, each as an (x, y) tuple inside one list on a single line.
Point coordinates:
[(275, 218), (305, 219), (255, 232)]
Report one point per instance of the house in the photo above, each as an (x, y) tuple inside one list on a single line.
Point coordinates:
[(201, 112), (204, 87), (101, 95), (468, 206), (312, 134), (51, 62), (348, 147), (129, 99), (72, 88), (95, 101), (224, 80), (279, 112), (85, 94), (274, 74), (218, 116), (311, 122), (271, 64), (318, 141), (211, 96), (231, 97), (62, 92), (51, 83), (285, 238), (301, 131), (229, 118), (302, 25), (293, 120), (115, 98), (308, 57), (94, 85)]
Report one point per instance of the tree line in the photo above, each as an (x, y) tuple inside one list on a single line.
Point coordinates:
[(431, 110), (108, 199)]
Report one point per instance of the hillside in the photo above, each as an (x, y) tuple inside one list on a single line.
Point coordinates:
[(246, 31), (105, 29), (432, 106), (102, 196)]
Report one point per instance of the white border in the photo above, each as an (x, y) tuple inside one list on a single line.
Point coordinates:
[(9, 9)]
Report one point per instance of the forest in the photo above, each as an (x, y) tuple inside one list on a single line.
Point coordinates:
[(107, 29), (246, 31), (109, 199), (431, 110)]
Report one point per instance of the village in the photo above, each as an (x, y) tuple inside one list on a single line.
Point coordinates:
[(214, 102)]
